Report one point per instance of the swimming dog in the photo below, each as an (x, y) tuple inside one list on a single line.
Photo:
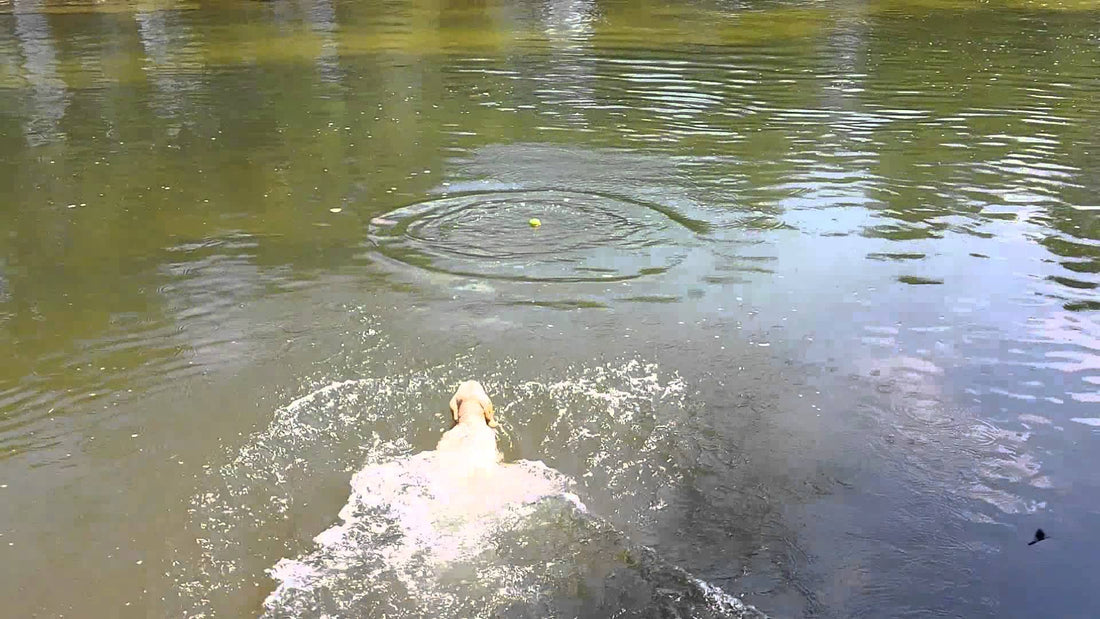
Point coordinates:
[(472, 439)]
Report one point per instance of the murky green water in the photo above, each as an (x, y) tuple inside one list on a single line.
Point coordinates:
[(812, 311)]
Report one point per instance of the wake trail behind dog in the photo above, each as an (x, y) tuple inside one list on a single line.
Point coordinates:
[(412, 540), (422, 537), (410, 532)]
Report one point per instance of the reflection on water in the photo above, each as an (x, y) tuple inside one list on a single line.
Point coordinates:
[(48, 93), (859, 232), (168, 43)]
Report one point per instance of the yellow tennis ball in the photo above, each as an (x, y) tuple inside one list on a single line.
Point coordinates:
[(535, 223)]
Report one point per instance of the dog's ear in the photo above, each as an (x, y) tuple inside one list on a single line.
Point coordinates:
[(454, 406), (488, 410)]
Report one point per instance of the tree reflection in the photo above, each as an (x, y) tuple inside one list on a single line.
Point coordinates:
[(49, 95), (201, 147)]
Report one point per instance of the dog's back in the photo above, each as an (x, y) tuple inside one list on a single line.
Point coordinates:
[(471, 443)]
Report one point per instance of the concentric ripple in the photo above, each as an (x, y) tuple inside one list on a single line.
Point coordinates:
[(583, 236)]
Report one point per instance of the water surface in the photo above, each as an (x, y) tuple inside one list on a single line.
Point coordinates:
[(811, 319)]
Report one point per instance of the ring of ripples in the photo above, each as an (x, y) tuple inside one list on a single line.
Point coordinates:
[(583, 237)]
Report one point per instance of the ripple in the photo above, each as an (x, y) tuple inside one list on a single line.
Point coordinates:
[(584, 237)]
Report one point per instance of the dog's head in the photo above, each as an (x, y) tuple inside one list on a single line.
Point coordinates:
[(470, 398)]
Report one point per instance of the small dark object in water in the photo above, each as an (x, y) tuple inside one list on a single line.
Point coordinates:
[(1040, 535)]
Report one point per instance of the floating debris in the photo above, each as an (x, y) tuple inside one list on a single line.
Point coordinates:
[(1040, 535)]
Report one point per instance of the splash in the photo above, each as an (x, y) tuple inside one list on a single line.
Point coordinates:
[(415, 540), (409, 529)]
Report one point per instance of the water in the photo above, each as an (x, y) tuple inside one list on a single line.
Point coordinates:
[(810, 322)]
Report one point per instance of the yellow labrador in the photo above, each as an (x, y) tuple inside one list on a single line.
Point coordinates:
[(472, 439)]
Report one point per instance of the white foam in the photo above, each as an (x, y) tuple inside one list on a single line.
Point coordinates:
[(419, 538), (407, 521), (413, 517)]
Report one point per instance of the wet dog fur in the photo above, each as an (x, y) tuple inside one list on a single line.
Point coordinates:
[(472, 438)]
